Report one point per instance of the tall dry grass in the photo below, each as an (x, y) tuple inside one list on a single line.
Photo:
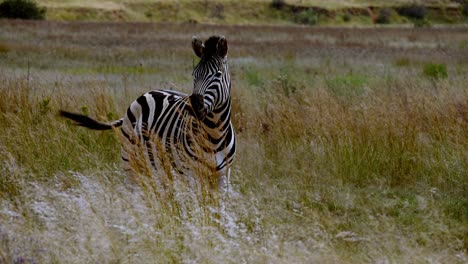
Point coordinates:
[(344, 154)]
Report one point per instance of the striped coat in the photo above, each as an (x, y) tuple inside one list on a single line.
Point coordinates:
[(185, 133)]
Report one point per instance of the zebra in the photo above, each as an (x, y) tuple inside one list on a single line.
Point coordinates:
[(186, 130)]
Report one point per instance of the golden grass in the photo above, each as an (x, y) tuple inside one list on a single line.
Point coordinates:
[(343, 156), (256, 12)]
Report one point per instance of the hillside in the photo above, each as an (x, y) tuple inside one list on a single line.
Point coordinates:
[(335, 12)]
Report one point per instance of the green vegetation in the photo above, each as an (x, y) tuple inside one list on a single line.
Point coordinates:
[(307, 17), (435, 71), (23, 9), (346, 86), (346, 152), (413, 11), (315, 12), (384, 16)]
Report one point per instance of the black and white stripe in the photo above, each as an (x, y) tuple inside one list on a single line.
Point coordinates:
[(190, 132)]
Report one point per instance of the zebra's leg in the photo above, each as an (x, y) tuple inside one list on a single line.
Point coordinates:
[(127, 167), (129, 152), (224, 182), (224, 187)]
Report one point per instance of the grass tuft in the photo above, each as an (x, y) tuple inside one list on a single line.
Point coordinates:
[(435, 71)]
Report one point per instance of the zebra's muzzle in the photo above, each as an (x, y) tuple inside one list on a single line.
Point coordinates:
[(198, 106)]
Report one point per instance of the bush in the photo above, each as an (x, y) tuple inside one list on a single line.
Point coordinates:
[(384, 16), (278, 4), (347, 17), (422, 23), (465, 9), (435, 71), (413, 11), (23, 9), (307, 17)]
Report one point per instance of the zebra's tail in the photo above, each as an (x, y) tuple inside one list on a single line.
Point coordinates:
[(84, 121)]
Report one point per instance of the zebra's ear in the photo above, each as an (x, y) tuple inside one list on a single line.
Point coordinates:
[(222, 47), (197, 46)]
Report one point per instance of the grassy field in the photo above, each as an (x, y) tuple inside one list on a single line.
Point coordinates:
[(317, 12), (352, 146)]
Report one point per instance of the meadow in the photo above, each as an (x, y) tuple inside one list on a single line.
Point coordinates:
[(352, 146)]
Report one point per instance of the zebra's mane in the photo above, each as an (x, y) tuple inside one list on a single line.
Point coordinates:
[(210, 46)]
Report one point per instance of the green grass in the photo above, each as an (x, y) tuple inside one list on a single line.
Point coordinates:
[(347, 86), (346, 152), (435, 71)]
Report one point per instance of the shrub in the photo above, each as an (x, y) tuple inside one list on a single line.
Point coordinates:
[(22, 9), (465, 9), (413, 11), (435, 71), (384, 16), (278, 4), (307, 17), (422, 23), (148, 14), (347, 17)]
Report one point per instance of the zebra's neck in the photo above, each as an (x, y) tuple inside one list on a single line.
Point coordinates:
[(220, 116), (216, 123)]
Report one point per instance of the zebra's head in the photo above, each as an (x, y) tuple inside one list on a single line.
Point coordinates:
[(211, 78)]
